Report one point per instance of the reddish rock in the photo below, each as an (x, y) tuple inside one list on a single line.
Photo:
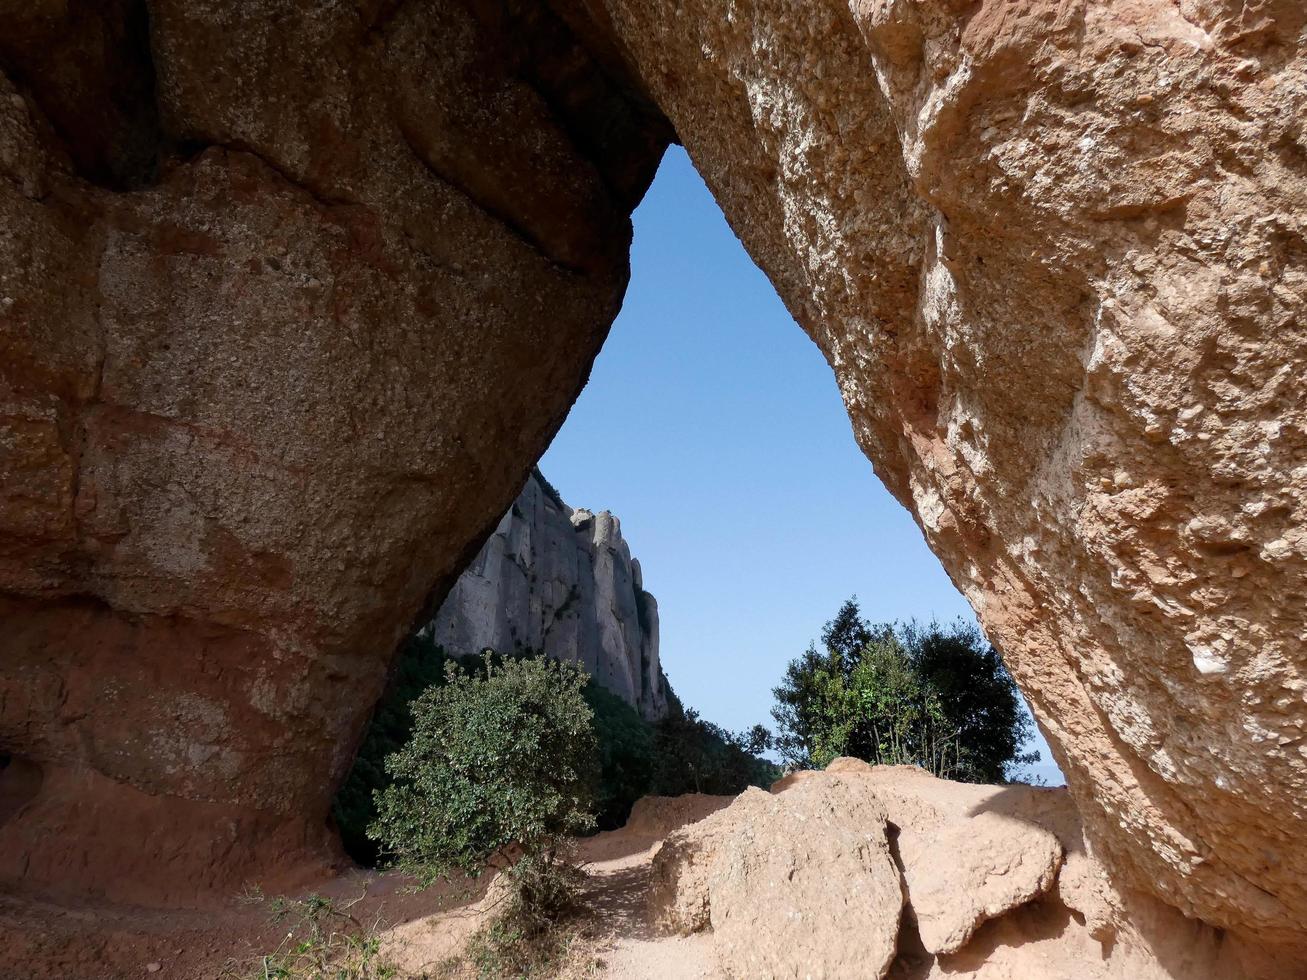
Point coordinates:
[(292, 296)]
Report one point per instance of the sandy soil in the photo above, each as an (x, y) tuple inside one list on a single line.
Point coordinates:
[(88, 941), (630, 946), (45, 941), (621, 938)]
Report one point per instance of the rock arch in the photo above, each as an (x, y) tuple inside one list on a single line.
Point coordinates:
[(268, 382)]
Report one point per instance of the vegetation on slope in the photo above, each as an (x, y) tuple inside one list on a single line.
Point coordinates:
[(681, 753)]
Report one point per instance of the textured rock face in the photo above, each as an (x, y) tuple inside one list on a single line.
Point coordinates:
[(291, 295), (1055, 253), (796, 885), (997, 883), (563, 581)]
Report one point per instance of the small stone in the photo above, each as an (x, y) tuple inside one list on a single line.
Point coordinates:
[(153, 967)]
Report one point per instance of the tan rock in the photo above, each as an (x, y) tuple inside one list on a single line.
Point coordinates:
[(1053, 252), (294, 293), (659, 816), (982, 868), (977, 861), (799, 884)]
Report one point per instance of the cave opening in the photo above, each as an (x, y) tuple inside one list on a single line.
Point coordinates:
[(744, 493), (713, 433)]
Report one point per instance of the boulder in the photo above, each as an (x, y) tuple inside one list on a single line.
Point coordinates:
[(291, 297), (800, 884)]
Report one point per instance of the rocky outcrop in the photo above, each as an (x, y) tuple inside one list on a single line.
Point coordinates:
[(291, 297), (563, 582), (1056, 256), (784, 882), (875, 871)]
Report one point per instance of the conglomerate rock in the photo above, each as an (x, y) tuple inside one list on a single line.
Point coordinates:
[(291, 297), (794, 884), (801, 884), (562, 582), (1056, 254)]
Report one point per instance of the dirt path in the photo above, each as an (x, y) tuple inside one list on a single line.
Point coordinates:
[(621, 937), (89, 941), (633, 949)]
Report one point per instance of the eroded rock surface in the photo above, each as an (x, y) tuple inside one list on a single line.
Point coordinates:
[(801, 884), (1055, 253), (783, 885), (561, 581), (291, 296), (293, 293)]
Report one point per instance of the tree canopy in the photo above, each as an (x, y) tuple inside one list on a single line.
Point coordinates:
[(933, 696)]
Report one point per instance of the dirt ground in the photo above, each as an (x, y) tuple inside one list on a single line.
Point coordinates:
[(45, 941)]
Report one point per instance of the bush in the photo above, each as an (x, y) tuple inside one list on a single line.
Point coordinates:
[(695, 756), (524, 938), (930, 696), (681, 754), (626, 756), (500, 758), (419, 664)]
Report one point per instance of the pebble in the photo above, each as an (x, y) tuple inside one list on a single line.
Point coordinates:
[(153, 967)]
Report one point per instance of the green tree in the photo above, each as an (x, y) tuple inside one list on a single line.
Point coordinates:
[(695, 756), (499, 757), (419, 664), (978, 696), (626, 755), (930, 696)]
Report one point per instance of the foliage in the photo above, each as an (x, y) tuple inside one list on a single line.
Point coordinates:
[(979, 698), (932, 696), (626, 755), (325, 942), (527, 937), (695, 756), (499, 758), (694, 753), (419, 665), (550, 490)]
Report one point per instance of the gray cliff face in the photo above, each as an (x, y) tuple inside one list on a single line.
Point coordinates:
[(563, 581)]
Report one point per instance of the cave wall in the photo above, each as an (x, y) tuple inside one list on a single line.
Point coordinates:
[(1055, 253), (293, 295)]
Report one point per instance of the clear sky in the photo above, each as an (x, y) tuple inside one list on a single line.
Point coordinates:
[(713, 428)]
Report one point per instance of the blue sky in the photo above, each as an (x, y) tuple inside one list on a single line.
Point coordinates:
[(713, 428)]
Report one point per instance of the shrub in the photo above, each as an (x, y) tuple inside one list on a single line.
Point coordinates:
[(695, 756), (419, 664), (324, 940), (499, 758), (527, 937), (932, 696), (626, 756)]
